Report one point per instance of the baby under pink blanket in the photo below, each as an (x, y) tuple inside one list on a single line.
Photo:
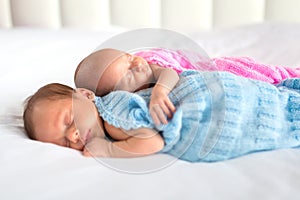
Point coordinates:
[(242, 66)]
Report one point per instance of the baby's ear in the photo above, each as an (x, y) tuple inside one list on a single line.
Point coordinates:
[(85, 92)]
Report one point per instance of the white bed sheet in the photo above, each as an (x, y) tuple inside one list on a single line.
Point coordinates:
[(31, 58)]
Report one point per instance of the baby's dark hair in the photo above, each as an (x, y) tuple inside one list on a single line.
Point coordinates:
[(51, 92)]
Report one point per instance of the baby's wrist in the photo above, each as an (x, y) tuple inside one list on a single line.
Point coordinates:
[(161, 88)]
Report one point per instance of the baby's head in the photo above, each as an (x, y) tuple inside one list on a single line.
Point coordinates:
[(107, 70), (59, 114)]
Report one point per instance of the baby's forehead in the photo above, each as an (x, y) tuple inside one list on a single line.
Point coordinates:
[(47, 104)]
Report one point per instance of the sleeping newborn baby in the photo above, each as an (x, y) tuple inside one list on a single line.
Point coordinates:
[(219, 115)]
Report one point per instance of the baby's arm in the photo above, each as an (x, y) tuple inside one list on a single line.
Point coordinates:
[(140, 142), (160, 104)]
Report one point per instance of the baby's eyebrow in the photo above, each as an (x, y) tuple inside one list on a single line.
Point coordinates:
[(66, 118), (71, 117)]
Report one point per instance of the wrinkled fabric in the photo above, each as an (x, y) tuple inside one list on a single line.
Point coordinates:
[(219, 115), (179, 60), (249, 68), (242, 66)]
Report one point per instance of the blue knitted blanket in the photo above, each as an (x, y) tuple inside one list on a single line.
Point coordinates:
[(219, 115)]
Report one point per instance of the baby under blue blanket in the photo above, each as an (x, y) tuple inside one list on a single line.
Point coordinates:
[(219, 115)]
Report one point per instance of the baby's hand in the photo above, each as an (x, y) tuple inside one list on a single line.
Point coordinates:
[(160, 105), (97, 147)]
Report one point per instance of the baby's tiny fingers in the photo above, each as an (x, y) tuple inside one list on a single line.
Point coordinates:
[(158, 115), (170, 106), (166, 111), (161, 114), (154, 116)]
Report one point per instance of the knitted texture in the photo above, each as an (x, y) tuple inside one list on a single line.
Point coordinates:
[(219, 115), (242, 66), (247, 67), (179, 60)]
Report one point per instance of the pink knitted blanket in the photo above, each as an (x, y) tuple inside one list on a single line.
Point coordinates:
[(242, 66), (247, 67)]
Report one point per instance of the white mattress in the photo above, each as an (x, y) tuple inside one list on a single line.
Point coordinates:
[(31, 58)]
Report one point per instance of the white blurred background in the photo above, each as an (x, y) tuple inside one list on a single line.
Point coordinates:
[(178, 15)]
